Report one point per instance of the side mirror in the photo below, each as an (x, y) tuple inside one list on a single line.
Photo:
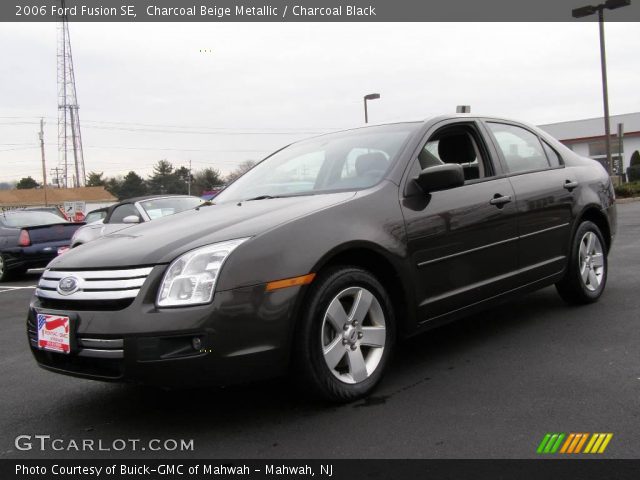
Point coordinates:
[(440, 177), (131, 219)]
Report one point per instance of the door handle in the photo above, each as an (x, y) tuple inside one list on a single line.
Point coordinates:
[(500, 200), (569, 185)]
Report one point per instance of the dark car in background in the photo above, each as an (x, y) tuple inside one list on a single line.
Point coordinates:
[(130, 212), (31, 239), (321, 257)]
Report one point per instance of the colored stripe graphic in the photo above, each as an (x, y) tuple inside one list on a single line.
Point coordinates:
[(598, 442), (550, 443), (573, 443)]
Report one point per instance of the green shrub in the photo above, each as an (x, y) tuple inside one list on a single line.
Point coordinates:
[(635, 159), (633, 173), (631, 189)]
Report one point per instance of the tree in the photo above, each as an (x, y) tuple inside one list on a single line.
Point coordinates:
[(164, 179), (182, 180), (27, 182), (205, 180), (240, 170), (133, 185), (633, 172), (94, 179)]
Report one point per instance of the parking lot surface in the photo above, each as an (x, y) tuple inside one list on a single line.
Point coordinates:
[(489, 386)]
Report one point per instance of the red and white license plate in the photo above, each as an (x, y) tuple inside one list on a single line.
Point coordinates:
[(53, 333)]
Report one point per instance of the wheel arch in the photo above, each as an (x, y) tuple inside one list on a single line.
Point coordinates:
[(592, 213), (381, 264)]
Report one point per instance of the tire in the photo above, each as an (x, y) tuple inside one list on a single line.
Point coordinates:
[(587, 269), (5, 274), (340, 349)]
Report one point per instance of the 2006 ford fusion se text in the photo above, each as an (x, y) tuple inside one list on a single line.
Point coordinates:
[(317, 261)]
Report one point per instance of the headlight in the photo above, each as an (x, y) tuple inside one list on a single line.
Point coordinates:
[(191, 278)]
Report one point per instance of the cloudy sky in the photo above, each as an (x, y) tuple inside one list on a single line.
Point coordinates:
[(218, 94)]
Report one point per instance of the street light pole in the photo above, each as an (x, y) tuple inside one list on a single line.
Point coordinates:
[(585, 12), (371, 96), (605, 93)]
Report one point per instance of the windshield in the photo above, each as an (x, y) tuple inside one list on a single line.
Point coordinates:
[(161, 207), (349, 160), (30, 219)]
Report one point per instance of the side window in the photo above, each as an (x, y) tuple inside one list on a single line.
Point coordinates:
[(123, 211), (521, 149), (455, 144), (552, 155)]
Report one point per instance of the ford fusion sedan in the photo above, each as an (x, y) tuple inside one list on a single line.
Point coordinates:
[(322, 257), (130, 212)]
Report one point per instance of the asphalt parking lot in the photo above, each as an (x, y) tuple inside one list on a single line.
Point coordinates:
[(489, 386)]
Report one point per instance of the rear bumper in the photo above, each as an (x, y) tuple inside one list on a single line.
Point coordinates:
[(34, 256), (244, 335)]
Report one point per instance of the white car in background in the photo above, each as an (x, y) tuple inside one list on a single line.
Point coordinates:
[(133, 211)]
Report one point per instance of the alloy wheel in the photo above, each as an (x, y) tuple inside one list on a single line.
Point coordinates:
[(591, 261), (353, 335)]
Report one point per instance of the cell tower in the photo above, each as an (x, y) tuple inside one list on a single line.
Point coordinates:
[(69, 137)]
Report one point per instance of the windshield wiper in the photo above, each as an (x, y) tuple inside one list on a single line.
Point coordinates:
[(262, 197)]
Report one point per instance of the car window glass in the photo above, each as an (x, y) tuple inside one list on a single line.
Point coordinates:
[(552, 155), (342, 161), (30, 219), (521, 149), (161, 207), (123, 211), (454, 145)]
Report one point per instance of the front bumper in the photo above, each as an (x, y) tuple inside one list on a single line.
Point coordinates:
[(244, 334)]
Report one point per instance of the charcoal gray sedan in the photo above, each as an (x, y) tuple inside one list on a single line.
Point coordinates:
[(322, 257)]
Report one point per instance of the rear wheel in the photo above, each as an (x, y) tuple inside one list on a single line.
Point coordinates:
[(346, 336), (587, 270), (3, 269)]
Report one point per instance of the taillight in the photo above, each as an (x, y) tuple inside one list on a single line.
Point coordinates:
[(23, 239)]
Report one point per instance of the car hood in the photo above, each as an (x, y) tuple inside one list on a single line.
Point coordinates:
[(162, 240)]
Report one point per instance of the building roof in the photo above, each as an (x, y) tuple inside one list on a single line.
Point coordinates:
[(55, 196), (592, 127)]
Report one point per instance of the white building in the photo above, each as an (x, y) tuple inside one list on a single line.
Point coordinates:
[(586, 138)]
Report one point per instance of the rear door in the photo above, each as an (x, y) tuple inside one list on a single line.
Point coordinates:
[(462, 242), (544, 198)]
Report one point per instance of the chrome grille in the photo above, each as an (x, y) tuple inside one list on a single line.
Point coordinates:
[(94, 284)]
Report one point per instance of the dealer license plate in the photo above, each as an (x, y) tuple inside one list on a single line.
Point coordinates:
[(53, 333)]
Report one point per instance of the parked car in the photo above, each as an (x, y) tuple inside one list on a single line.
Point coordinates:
[(133, 211), (321, 257), (30, 239)]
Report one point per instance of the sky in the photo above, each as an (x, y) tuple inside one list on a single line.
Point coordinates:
[(217, 94)]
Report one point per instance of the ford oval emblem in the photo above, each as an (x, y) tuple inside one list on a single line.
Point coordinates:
[(68, 285)]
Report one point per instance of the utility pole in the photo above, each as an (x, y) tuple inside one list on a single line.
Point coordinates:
[(44, 167), (56, 171), (189, 180)]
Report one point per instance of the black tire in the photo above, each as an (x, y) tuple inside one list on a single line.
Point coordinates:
[(312, 371), (5, 274), (573, 288)]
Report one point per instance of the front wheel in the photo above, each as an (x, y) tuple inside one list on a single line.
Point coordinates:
[(345, 338), (586, 274)]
